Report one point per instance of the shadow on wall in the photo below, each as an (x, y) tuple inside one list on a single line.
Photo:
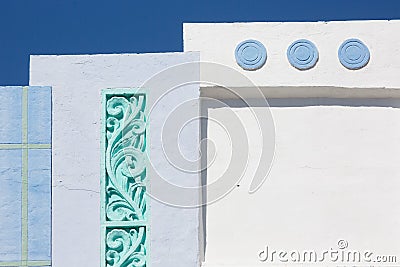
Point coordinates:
[(306, 102)]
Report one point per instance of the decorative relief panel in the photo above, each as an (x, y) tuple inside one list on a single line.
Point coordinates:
[(124, 212)]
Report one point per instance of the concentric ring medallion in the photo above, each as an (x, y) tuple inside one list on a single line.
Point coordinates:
[(302, 54), (250, 54), (353, 54)]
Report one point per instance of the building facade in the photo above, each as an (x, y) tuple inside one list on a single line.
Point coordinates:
[(261, 144)]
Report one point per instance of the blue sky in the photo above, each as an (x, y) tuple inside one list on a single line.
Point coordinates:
[(132, 26)]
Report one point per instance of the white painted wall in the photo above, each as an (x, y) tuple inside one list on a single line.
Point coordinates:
[(217, 43), (77, 82), (335, 174)]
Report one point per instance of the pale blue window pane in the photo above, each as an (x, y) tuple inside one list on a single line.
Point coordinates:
[(10, 204), (39, 115), (10, 115), (39, 207)]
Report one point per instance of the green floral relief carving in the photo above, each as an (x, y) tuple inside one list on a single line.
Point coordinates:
[(126, 247), (124, 212)]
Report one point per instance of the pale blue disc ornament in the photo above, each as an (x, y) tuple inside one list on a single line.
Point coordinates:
[(353, 54), (251, 55), (302, 54)]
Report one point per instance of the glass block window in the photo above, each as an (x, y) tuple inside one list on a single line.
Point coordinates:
[(25, 176)]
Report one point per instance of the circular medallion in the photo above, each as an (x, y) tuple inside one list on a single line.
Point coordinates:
[(302, 54), (251, 55), (353, 54)]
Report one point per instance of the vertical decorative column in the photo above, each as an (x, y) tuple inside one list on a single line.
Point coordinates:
[(25, 176), (124, 214)]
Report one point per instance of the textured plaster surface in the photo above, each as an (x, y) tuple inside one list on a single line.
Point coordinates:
[(335, 172), (378, 36), (77, 83), (335, 176)]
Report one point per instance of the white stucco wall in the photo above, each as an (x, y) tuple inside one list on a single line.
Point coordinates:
[(77, 82), (335, 172), (335, 176), (217, 43)]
